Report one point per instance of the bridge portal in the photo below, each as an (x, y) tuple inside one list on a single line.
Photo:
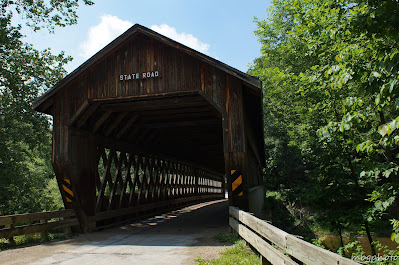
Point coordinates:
[(148, 124)]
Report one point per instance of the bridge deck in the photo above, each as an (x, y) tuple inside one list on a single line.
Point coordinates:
[(173, 238)]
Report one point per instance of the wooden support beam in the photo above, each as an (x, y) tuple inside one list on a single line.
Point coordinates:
[(127, 126), (86, 114), (142, 134), (177, 110), (179, 115), (101, 120), (78, 113), (150, 137), (134, 131), (172, 119), (156, 104), (220, 112), (204, 122), (146, 97), (115, 123)]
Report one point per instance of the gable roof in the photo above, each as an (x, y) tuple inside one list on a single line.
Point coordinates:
[(252, 82)]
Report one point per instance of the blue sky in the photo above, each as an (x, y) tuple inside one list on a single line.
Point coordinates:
[(219, 28)]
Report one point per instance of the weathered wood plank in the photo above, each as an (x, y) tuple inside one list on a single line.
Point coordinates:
[(86, 114), (127, 179), (198, 122), (266, 250), (313, 255), (115, 123), (79, 112), (101, 120), (136, 180), (126, 126), (37, 228), (118, 181), (105, 179), (6, 220), (300, 249), (268, 231), (32, 217)]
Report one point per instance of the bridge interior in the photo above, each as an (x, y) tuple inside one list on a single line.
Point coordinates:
[(125, 145), (183, 127)]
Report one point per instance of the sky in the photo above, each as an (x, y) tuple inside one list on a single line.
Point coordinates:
[(222, 29)]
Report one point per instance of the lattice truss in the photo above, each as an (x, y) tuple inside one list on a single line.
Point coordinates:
[(127, 179)]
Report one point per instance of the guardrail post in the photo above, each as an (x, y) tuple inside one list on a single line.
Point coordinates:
[(45, 232), (11, 239), (66, 231)]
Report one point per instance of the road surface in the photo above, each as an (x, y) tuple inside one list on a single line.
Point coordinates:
[(177, 237)]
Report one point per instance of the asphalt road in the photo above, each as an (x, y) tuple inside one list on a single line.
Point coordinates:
[(177, 237)]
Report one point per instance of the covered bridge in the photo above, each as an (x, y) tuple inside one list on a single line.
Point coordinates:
[(148, 123)]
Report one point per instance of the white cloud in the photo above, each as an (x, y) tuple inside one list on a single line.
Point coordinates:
[(111, 27), (184, 38), (100, 35)]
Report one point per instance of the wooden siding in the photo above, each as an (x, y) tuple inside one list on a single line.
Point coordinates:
[(193, 112)]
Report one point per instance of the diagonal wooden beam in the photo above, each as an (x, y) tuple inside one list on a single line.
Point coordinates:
[(116, 122), (142, 134), (150, 137), (127, 126), (79, 112), (134, 131), (101, 120), (86, 115)]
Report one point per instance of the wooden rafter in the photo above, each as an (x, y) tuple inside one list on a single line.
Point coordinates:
[(101, 120), (86, 114), (127, 126), (150, 137), (115, 123), (79, 112)]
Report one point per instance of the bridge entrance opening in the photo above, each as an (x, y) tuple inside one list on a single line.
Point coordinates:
[(148, 124)]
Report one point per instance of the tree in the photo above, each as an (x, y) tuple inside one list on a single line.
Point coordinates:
[(25, 73), (330, 70)]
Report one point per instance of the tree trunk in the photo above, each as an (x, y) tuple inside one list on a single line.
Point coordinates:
[(373, 252), (339, 230)]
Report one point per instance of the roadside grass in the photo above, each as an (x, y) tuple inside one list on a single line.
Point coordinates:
[(31, 239), (227, 237), (239, 253)]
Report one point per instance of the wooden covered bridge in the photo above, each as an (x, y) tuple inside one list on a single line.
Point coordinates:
[(148, 124)]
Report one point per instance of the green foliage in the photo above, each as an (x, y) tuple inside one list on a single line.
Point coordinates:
[(25, 135), (25, 146), (395, 234), (239, 253), (352, 248), (319, 242), (44, 14), (52, 200), (331, 92), (227, 237), (30, 239)]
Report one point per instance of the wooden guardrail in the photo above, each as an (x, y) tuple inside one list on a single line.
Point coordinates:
[(30, 223), (261, 235)]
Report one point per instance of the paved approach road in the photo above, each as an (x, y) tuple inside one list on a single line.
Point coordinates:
[(177, 237)]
